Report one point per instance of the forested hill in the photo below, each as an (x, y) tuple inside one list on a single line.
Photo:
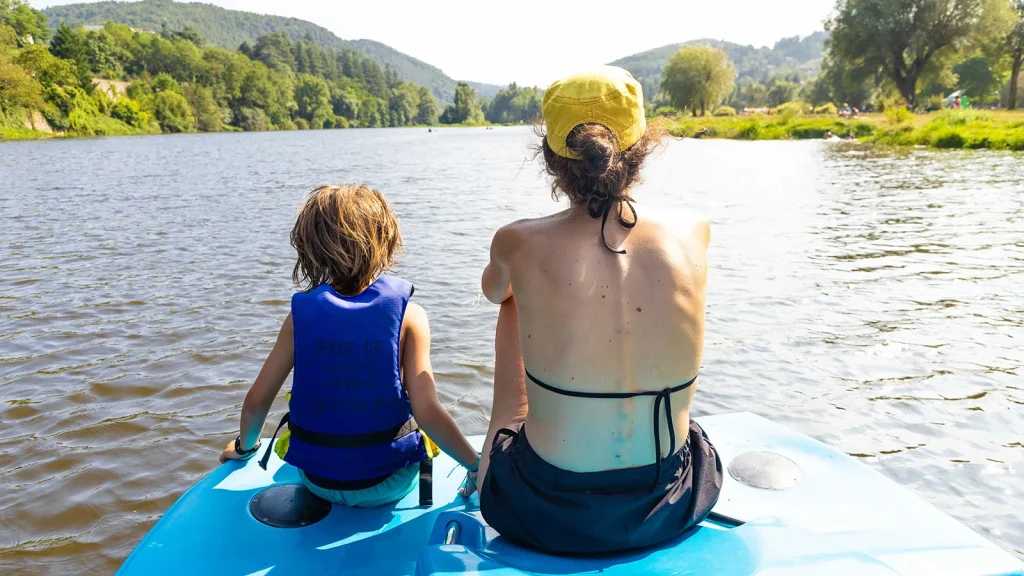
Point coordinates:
[(801, 55), (229, 28)]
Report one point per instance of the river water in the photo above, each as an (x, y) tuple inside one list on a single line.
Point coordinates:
[(872, 300)]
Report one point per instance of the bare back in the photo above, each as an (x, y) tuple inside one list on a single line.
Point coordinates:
[(591, 320)]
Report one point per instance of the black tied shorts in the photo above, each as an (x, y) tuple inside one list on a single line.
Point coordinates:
[(535, 504)]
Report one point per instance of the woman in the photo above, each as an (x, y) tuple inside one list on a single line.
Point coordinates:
[(598, 344)]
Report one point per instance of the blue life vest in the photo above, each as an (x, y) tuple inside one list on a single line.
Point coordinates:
[(350, 418)]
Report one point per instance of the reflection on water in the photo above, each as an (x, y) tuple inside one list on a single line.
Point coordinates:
[(871, 299)]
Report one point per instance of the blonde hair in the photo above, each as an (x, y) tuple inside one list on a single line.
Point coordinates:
[(345, 236)]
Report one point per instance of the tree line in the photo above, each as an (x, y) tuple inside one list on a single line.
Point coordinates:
[(176, 83), (914, 52)]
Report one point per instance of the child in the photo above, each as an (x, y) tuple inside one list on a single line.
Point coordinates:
[(363, 387)]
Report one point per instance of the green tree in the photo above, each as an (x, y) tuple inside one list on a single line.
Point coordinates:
[(755, 94), (698, 78), (782, 91), (29, 24), (189, 34), (1015, 44), (8, 41), (466, 109), (427, 110), (45, 67), (252, 120), (205, 112), (105, 54), (268, 90), (275, 50), (403, 104), (128, 111), (371, 112), (17, 88), (69, 44), (345, 103), (899, 39), (977, 78), (514, 105), (313, 98), (173, 113), (164, 82)]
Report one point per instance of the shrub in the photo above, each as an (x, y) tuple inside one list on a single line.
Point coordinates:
[(341, 122), (750, 130), (829, 109), (862, 129), (173, 112), (103, 102), (897, 115), (724, 111), (301, 124), (128, 111), (78, 122), (979, 142), (789, 110), (165, 83), (948, 139)]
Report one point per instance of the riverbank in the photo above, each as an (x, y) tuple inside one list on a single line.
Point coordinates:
[(951, 129)]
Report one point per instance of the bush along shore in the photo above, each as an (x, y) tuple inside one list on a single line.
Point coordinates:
[(951, 129)]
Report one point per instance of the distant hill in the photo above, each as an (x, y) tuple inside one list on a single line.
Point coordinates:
[(796, 54), (229, 28)]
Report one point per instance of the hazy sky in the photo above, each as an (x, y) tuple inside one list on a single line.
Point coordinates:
[(537, 41)]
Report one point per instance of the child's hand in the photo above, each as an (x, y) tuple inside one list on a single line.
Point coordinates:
[(229, 453)]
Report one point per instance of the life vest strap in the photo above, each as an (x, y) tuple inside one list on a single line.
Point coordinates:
[(365, 440), (340, 440)]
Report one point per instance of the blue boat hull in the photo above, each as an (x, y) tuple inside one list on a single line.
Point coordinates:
[(835, 517)]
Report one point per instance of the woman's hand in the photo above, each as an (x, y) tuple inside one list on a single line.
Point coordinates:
[(469, 485)]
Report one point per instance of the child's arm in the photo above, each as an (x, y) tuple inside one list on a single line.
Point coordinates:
[(260, 397), (419, 382)]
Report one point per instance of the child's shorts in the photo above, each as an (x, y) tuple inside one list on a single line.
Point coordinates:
[(393, 489)]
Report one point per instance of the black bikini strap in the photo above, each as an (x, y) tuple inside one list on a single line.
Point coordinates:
[(600, 208), (659, 397)]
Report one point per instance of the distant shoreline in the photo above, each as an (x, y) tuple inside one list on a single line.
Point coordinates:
[(952, 129)]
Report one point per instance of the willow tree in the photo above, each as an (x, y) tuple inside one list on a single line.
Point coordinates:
[(900, 38), (698, 77)]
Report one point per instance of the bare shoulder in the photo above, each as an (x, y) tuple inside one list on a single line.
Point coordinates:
[(681, 224), (510, 237), (415, 320)]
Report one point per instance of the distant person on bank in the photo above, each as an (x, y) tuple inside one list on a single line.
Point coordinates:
[(598, 344)]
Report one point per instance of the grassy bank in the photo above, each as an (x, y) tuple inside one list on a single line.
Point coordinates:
[(773, 127), (970, 129), (957, 129)]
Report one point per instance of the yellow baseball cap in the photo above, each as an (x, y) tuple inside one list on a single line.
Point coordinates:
[(608, 96)]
